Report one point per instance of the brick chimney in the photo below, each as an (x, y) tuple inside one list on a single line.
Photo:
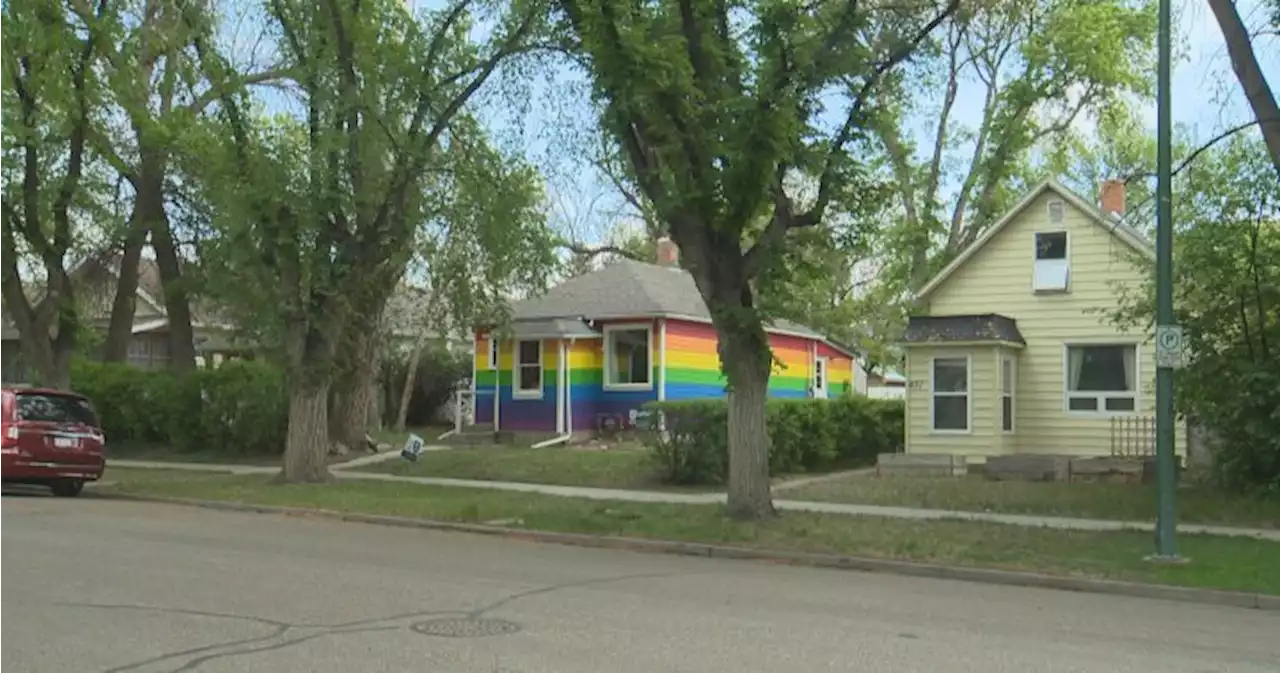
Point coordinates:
[(1111, 197), (668, 252)]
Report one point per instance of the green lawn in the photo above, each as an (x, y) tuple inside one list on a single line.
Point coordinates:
[(159, 452), (1223, 563), (623, 467), (1126, 502)]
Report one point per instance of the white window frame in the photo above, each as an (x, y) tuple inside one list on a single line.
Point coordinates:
[(1008, 366), (968, 394), (1035, 260), (493, 351), (824, 391), (1101, 411), (608, 355), (516, 365)]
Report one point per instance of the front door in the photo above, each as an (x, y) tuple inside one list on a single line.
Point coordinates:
[(820, 378)]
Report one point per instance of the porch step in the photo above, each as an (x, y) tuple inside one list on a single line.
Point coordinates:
[(1028, 467), (921, 464)]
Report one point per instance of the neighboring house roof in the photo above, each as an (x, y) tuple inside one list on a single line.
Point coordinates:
[(962, 328), (1112, 223), (631, 289), (887, 378), (405, 316)]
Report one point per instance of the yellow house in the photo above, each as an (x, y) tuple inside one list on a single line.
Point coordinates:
[(1012, 351)]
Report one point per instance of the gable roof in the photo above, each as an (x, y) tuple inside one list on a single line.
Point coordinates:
[(631, 289), (1114, 225)]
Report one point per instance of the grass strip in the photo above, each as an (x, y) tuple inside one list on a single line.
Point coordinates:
[(1237, 564)]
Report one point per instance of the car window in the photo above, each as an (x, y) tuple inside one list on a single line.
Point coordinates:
[(55, 409)]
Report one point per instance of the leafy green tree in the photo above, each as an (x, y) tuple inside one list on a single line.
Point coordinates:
[(1040, 65), (157, 89), (316, 215), (484, 236), (714, 107), (1227, 298), (51, 96)]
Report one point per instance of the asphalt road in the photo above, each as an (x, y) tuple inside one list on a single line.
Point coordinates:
[(98, 585)]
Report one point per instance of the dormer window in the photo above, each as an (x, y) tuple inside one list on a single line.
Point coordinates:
[(1052, 270)]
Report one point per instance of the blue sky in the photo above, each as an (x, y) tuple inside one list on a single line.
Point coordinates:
[(545, 126), (1207, 100)]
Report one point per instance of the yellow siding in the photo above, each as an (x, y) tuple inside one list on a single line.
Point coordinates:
[(997, 279), (983, 437)]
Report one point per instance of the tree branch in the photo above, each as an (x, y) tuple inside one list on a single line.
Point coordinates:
[(783, 219), (591, 252)]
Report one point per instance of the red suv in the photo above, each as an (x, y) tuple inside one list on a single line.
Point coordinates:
[(50, 437)]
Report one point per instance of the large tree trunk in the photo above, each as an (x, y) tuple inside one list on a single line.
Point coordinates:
[(148, 213), (406, 393), (177, 301), (356, 396), (124, 306), (1249, 73), (748, 373), (307, 448)]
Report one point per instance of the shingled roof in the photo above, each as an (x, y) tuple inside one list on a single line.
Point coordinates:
[(962, 328), (628, 289)]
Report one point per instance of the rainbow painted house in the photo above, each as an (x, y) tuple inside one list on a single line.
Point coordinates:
[(593, 350)]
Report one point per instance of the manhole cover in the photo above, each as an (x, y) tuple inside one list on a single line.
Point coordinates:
[(463, 627)]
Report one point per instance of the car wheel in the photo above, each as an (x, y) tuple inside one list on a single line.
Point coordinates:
[(67, 488)]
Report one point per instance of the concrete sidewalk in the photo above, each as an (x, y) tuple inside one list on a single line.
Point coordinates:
[(1061, 523)]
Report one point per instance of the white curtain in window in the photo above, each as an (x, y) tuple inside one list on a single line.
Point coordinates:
[(1075, 364), (1130, 362)]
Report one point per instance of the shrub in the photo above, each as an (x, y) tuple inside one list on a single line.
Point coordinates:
[(806, 435), (439, 373), (121, 394), (693, 449), (245, 408), (240, 408)]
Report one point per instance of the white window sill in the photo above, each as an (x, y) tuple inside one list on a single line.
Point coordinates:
[(526, 394), (936, 431), (628, 386)]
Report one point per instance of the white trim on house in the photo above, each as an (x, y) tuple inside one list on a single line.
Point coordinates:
[(1009, 367), (149, 325), (1091, 212), (517, 365), (1101, 411), (1035, 260), (494, 352), (662, 359), (822, 363), (968, 395), (608, 355), (561, 388)]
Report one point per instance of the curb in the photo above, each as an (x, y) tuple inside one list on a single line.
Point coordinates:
[(1237, 599)]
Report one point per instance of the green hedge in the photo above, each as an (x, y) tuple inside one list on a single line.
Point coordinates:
[(240, 408), (807, 436)]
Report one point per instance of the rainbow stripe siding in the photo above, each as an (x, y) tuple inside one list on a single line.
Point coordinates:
[(693, 372)]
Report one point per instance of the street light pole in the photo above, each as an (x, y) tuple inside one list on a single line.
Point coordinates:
[(1165, 459)]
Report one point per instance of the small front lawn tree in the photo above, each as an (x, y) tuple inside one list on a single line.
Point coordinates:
[(716, 105)]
